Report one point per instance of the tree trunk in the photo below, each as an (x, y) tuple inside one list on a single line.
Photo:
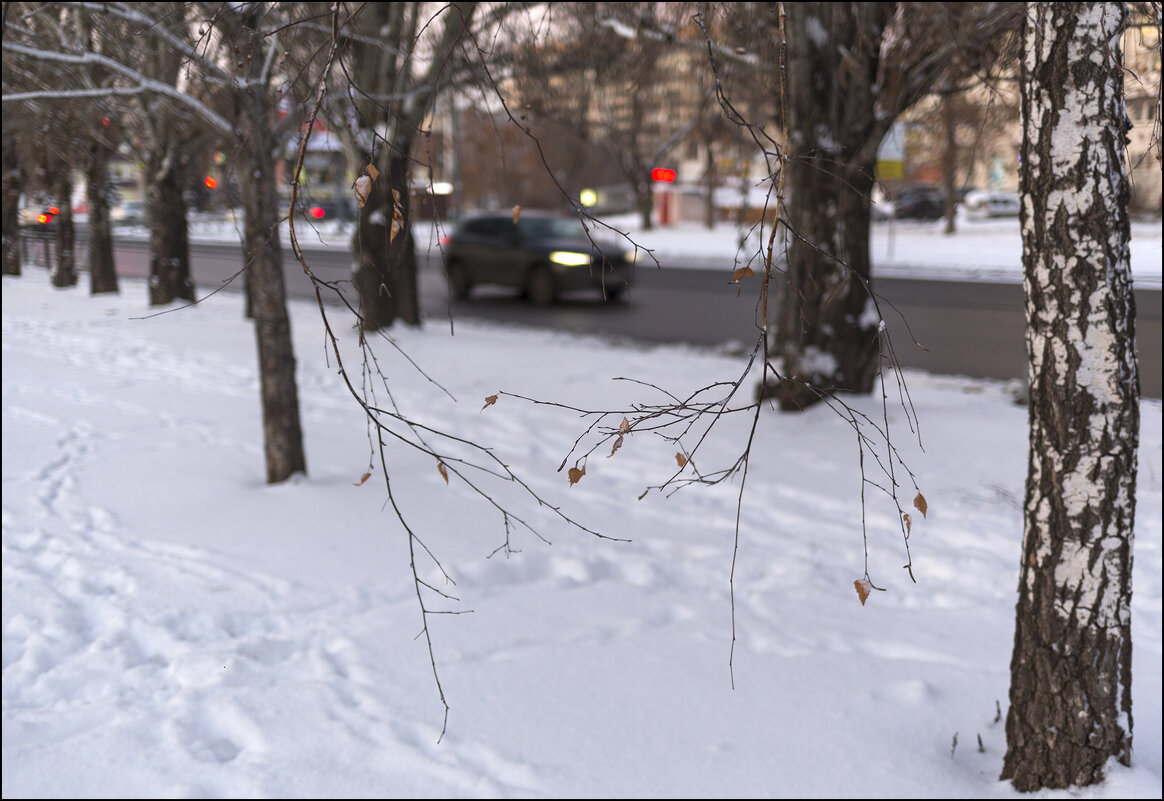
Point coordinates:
[(1070, 693), (12, 180), (169, 237), (282, 435), (949, 160), (644, 201), (385, 269), (64, 270), (102, 272), (712, 179), (826, 335)]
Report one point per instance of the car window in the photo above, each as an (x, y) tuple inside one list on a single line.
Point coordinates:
[(487, 227), (550, 228)]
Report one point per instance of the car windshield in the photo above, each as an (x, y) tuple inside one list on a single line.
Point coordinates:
[(551, 228)]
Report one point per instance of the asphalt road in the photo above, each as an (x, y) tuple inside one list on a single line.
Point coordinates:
[(965, 328)]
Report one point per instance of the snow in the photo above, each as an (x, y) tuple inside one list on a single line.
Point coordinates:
[(174, 627)]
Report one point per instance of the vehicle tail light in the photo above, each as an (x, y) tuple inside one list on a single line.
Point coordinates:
[(444, 240)]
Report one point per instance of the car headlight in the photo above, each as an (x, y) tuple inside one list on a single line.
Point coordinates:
[(570, 258)]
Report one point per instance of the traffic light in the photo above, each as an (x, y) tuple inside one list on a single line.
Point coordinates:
[(210, 182), (662, 175)]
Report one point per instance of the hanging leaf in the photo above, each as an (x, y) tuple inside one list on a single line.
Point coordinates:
[(681, 459), (863, 586), (443, 471), (372, 171), (908, 522), (742, 272), (397, 216), (492, 399), (516, 214), (624, 426), (363, 188), (363, 478), (617, 445), (920, 503), (576, 475)]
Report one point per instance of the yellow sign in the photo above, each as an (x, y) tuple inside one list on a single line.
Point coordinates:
[(890, 170)]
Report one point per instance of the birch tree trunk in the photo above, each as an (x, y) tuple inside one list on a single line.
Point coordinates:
[(1070, 693)]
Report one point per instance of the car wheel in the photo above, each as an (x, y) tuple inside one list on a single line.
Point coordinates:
[(459, 283), (539, 286)]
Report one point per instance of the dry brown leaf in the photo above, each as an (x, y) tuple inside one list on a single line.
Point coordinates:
[(516, 214), (397, 216), (492, 399), (624, 426), (363, 188), (373, 173), (742, 272), (443, 471), (576, 475), (363, 478), (681, 459), (864, 586), (920, 503), (908, 522), (617, 445)]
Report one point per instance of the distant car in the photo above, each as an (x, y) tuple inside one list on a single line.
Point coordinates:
[(919, 203), (991, 204), (39, 220), (542, 253), (131, 212), (327, 210)]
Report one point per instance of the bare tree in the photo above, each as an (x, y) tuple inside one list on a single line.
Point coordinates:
[(853, 69), (390, 92), (1070, 692), (238, 54)]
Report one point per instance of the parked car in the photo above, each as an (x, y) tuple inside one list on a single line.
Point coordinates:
[(919, 203), (991, 204), (543, 254), (131, 212)]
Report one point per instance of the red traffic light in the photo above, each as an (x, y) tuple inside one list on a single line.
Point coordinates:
[(53, 210), (317, 212), (662, 175), (210, 182)]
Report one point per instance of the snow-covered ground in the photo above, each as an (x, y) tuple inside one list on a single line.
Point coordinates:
[(174, 627)]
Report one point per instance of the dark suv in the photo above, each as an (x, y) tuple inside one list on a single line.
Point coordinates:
[(543, 254), (920, 203)]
